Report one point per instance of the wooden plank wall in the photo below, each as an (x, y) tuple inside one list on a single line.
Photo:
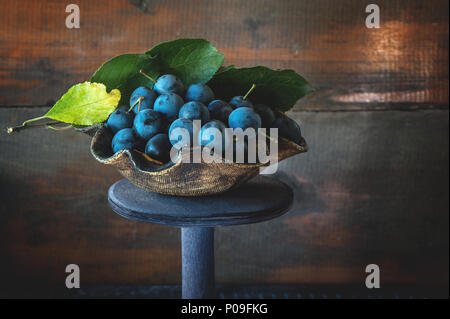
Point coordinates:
[(373, 188)]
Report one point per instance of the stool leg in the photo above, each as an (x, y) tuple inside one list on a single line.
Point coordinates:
[(197, 254)]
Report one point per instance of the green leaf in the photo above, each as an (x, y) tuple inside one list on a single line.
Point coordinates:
[(192, 60), (279, 89), (122, 72), (85, 104), (224, 69)]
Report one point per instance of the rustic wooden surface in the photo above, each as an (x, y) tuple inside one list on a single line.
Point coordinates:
[(402, 65), (372, 189)]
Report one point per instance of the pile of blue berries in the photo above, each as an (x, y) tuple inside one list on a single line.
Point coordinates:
[(153, 114)]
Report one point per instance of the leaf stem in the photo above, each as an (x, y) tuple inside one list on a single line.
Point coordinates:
[(147, 76), (249, 91), (33, 120), (25, 125)]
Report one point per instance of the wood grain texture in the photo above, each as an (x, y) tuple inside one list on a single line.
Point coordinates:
[(402, 65), (372, 189)]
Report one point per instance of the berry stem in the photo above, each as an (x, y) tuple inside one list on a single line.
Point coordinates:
[(269, 137), (147, 76), (59, 128), (249, 91), (138, 101), (149, 158)]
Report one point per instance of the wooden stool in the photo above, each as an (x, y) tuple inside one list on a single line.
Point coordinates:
[(260, 199)]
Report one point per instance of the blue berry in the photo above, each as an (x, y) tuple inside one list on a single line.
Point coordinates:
[(238, 101), (125, 139), (199, 92), (169, 83), (147, 96), (220, 110), (148, 123), (169, 105), (266, 114), (288, 128), (177, 136), (213, 133), (120, 119), (194, 111), (158, 147), (244, 117)]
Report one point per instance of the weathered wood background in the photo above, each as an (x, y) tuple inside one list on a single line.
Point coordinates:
[(374, 187)]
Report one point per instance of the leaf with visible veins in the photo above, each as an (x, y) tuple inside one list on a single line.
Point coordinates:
[(279, 89)]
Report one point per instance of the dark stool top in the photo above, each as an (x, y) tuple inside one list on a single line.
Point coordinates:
[(259, 199)]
